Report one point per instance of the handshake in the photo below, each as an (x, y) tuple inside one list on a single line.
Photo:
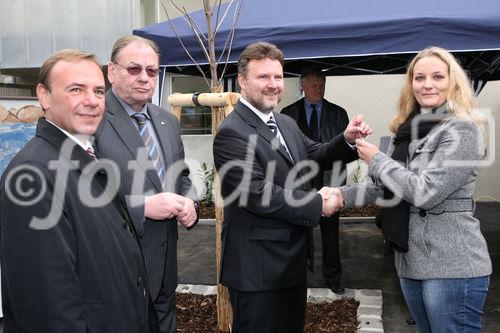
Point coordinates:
[(333, 200)]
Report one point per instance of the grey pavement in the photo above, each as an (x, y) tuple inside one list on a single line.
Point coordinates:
[(365, 266)]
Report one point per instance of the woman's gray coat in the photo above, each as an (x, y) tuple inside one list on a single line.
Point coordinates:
[(445, 239)]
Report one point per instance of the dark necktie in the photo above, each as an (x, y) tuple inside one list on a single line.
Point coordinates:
[(153, 150), (271, 123), (313, 124), (90, 152)]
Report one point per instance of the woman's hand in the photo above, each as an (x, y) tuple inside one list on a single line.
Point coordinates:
[(366, 150)]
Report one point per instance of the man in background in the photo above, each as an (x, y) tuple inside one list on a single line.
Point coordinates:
[(321, 121)]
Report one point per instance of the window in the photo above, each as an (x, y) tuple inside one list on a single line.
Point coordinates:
[(194, 119)]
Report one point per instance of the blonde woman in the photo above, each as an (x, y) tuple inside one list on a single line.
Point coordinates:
[(427, 181)]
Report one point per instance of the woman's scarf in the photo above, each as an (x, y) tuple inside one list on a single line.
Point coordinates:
[(394, 220)]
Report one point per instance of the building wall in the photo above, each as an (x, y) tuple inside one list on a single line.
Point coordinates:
[(375, 97), (30, 30)]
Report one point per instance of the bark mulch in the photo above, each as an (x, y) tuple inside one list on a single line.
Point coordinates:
[(198, 314), (366, 211), (208, 212)]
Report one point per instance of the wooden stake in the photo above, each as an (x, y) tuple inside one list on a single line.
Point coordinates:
[(222, 104)]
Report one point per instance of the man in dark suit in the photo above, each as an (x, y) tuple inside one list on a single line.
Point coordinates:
[(265, 164), (144, 140), (70, 262), (321, 121)]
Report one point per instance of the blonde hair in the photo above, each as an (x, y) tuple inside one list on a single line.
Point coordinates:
[(460, 98)]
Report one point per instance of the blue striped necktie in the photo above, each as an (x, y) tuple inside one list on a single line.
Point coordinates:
[(272, 126), (152, 148), (271, 123)]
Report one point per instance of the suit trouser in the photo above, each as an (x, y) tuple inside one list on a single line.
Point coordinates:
[(275, 311), (332, 267), (163, 319)]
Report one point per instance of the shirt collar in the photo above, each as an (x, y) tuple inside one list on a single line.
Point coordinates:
[(263, 116), (319, 105), (129, 109), (82, 140)]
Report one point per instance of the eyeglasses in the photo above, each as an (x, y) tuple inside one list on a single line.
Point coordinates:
[(137, 69)]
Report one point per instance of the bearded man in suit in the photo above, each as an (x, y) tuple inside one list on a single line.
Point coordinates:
[(265, 163)]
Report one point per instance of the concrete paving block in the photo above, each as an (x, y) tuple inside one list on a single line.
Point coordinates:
[(371, 299), (370, 324), (211, 290), (198, 289), (183, 288), (320, 295), (369, 311), (349, 293), (370, 330)]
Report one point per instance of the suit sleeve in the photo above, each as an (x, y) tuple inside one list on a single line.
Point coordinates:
[(327, 153), (361, 194), (451, 162), (259, 195), (39, 268)]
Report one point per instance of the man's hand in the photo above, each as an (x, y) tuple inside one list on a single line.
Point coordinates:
[(340, 196), (331, 201), (163, 205), (366, 150), (187, 216), (357, 129)]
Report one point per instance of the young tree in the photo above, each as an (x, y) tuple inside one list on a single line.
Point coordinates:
[(206, 40)]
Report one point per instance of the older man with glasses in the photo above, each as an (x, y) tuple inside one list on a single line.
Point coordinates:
[(144, 140)]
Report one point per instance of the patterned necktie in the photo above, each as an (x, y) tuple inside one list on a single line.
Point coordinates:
[(153, 150), (313, 124), (271, 123), (90, 152)]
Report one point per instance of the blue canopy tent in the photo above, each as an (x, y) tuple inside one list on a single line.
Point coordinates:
[(348, 37)]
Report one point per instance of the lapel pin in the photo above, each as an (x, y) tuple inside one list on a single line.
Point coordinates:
[(162, 123)]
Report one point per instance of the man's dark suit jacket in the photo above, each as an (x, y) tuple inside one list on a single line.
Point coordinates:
[(117, 138), (84, 274), (266, 247), (333, 121)]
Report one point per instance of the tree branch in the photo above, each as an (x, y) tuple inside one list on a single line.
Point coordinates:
[(230, 38), (184, 47), (211, 32)]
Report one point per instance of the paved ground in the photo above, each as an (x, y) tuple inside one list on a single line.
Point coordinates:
[(365, 267)]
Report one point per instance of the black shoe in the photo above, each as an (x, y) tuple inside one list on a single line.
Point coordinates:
[(410, 321), (337, 289)]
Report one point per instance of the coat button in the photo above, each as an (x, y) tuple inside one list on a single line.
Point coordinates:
[(124, 225), (422, 213), (140, 282)]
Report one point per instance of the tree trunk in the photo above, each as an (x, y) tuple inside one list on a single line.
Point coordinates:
[(224, 311)]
